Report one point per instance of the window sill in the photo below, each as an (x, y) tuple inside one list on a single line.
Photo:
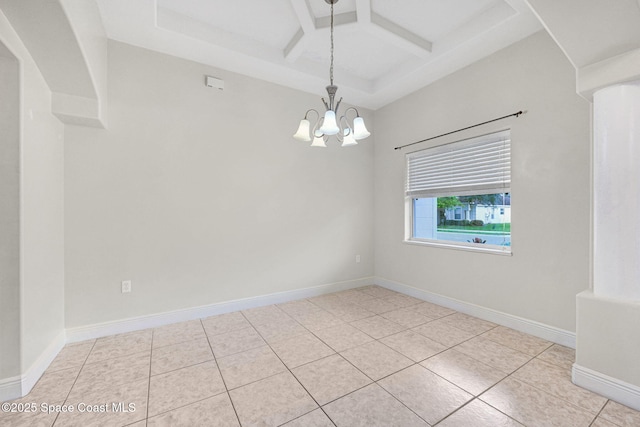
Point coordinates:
[(479, 248)]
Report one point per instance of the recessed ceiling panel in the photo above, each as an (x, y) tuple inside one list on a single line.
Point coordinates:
[(356, 52), (272, 22), (384, 49), (430, 19)]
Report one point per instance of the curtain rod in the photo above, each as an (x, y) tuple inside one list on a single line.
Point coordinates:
[(460, 130)]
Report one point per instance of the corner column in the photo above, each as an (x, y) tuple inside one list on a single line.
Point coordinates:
[(616, 180), (608, 317)]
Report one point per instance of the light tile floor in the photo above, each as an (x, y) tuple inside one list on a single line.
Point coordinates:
[(363, 357)]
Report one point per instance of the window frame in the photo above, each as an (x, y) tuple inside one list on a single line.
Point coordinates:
[(410, 220)]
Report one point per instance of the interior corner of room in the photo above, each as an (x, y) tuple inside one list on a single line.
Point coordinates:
[(134, 194)]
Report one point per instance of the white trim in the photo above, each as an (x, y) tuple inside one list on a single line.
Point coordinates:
[(461, 246), (531, 327), (620, 391), (19, 386), (10, 388), (98, 330), (35, 371)]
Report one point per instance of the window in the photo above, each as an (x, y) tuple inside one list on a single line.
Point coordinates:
[(459, 195)]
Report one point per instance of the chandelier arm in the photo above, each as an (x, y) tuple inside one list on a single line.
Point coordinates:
[(345, 126), (351, 108), (318, 125), (338, 105), (311, 110)]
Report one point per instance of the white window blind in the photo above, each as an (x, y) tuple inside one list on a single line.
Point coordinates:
[(480, 165)]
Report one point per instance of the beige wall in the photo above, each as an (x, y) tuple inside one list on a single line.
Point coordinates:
[(550, 184), (42, 216), (9, 215), (201, 196), (41, 287)]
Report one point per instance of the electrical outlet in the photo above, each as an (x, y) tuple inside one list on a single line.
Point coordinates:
[(126, 286), (357, 258)]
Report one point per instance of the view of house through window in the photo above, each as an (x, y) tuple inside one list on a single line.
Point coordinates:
[(484, 218), (460, 193)]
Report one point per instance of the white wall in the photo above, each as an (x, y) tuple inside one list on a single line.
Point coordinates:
[(42, 219), (41, 289), (9, 215), (201, 196), (550, 173)]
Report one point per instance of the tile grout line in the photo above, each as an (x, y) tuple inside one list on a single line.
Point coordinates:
[(490, 405), (188, 366), (75, 380), (396, 398), (355, 367), (600, 412), (146, 420), (477, 397), (292, 374), (553, 394), (379, 340), (481, 401), (224, 383), (534, 387), (546, 392), (449, 348)]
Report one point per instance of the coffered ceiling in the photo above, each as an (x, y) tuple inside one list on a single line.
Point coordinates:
[(384, 49)]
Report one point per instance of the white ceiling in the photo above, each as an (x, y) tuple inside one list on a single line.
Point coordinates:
[(384, 49)]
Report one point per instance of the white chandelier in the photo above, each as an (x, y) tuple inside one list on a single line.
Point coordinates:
[(328, 125)]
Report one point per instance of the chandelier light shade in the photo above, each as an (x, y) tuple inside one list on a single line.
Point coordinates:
[(329, 124), (303, 131), (359, 129), (318, 141), (348, 138)]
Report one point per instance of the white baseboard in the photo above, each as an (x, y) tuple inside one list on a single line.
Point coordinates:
[(19, 386), (35, 371), (10, 388), (154, 320), (15, 387), (531, 327), (620, 391)]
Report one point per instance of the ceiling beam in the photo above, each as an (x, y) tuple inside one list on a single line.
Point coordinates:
[(402, 37), (363, 9), (339, 19), (304, 14), (295, 47), (384, 29)]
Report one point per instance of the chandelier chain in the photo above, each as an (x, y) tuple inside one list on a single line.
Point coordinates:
[(331, 67), (330, 124)]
